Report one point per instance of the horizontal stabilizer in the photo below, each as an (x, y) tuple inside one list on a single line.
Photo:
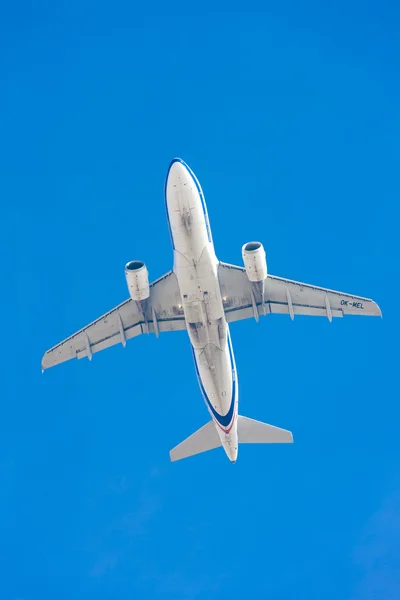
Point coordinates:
[(256, 432), (205, 438)]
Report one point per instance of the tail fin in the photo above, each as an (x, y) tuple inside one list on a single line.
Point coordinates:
[(205, 438), (256, 432)]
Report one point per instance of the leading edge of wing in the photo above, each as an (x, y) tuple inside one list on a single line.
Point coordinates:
[(107, 314), (374, 307), (80, 331), (68, 348)]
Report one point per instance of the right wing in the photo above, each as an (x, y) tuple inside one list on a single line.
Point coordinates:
[(163, 313), (284, 296)]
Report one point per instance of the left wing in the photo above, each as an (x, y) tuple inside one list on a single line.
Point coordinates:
[(163, 313), (284, 296)]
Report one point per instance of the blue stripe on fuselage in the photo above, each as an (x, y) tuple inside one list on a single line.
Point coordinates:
[(224, 420)]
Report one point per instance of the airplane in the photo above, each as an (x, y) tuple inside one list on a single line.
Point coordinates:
[(204, 296)]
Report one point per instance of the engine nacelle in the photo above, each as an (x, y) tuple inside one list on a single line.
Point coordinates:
[(255, 261), (137, 279)]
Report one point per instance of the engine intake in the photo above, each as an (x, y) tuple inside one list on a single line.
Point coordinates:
[(137, 279), (255, 261)]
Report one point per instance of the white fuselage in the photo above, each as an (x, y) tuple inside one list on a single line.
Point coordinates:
[(196, 268)]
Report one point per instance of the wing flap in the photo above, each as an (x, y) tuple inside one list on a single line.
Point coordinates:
[(284, 296), (123, 323), (238, 314), (112, 340), (309, 299), (278, 308)]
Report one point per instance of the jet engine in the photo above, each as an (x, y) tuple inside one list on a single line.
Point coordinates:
[(255, 261), (137, 279)]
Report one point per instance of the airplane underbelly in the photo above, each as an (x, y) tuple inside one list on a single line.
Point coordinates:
[(195, 262), (187, 213), (216, 380), (217, 377), (195, 265)]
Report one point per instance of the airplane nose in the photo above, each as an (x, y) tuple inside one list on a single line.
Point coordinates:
[(178, 175)]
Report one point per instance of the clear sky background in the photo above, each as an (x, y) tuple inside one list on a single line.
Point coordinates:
[(289, 115)]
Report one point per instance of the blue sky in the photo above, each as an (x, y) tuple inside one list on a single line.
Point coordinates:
[(289, 115)]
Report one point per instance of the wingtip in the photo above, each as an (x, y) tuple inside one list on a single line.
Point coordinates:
[(378, 310), (43, 364)]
